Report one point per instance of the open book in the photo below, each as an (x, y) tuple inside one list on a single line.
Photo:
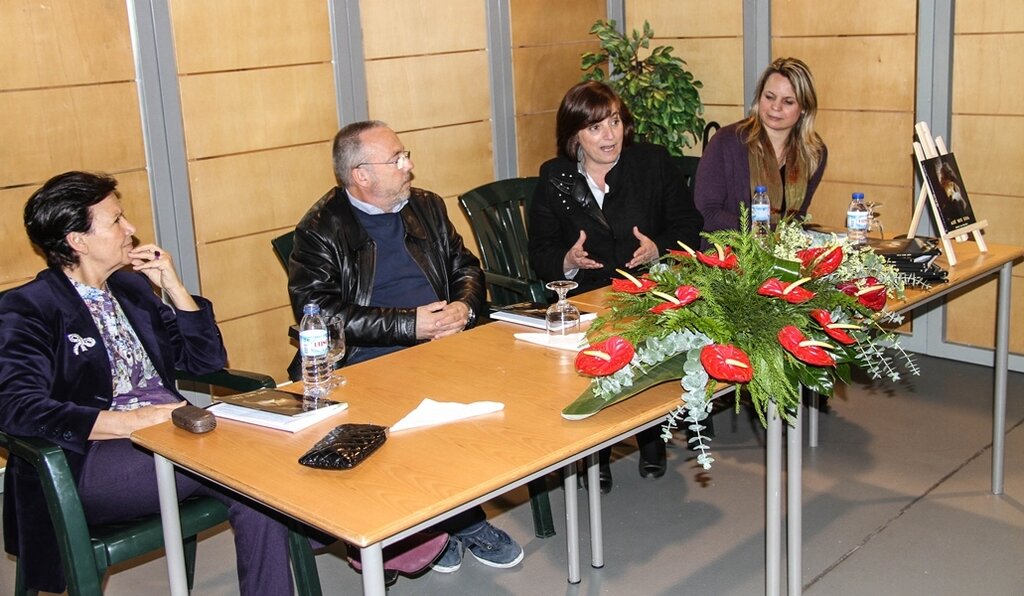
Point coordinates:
[(530, 314), (275, 408)]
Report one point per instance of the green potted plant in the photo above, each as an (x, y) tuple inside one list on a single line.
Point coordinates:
[(662, 95)]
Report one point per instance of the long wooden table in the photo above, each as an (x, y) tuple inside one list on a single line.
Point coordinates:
[(420, 476), (423, 476)]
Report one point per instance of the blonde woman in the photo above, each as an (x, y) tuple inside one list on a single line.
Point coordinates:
[(774, 146)]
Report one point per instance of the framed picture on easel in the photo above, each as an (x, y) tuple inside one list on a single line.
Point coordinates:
[(945, 190), (947, 186)]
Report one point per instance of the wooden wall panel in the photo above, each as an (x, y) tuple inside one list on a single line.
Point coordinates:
[(536, 139), (437, 90), (970, 315), (687, 18), (260, 341), (988, 139), (867, 17), (842, 67), (242, 276), (229, 201), (881, 156), (249, 34), (452, 159), (988, 149), (546, 49), (543, 74), (64, 42), (989, 16), (542, 22), (980, 74), (414, 27), (717, 63), (233, 112), (48, 131)]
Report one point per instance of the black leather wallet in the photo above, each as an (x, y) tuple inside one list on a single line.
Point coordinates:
[(345, 446), (193, 419)]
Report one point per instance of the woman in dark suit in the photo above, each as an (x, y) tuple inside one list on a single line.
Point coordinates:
[(607, 203), (87, 356)]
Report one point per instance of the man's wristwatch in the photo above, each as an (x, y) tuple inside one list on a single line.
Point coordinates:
[(472, 317)]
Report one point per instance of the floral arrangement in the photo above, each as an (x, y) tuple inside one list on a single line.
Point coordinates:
[(768, 314)]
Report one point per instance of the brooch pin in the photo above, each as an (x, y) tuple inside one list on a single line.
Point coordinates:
[(81, 344)]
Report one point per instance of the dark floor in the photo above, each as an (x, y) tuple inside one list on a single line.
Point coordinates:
[(896, 501)]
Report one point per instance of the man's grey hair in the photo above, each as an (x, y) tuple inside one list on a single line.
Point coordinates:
[(348, 149)]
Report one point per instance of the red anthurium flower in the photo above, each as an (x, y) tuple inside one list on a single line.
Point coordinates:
[(790, 292), (684, 295), (805, 350), (726, 363), (820, 260), (606, 357), (867, 290), (833, 330), (632, 285), (686, 252), (722, 257)]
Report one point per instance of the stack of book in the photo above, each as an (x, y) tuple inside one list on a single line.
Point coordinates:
[(914, 257), (275, 408)]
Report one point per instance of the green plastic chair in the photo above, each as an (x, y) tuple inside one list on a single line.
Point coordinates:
[(88, 551), (283, 245), (496, 214)]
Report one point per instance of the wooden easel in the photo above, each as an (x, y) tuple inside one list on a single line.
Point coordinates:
[(927, 147)]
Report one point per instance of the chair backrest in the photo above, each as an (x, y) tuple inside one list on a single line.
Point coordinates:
[(496, 211), (283, 245)]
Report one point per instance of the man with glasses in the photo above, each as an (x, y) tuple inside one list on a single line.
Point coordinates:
[(386, 257)]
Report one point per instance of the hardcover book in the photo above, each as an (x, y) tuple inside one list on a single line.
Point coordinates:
[(531, 314), (917, 250), (275, 408)]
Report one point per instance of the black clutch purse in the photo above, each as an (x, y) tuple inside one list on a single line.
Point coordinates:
[(345, 446)]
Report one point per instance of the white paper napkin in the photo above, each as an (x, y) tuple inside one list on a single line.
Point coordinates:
[(572, 342), (431, 412)]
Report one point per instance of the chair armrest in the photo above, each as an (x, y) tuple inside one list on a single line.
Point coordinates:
[(230, 378), (534, 289)]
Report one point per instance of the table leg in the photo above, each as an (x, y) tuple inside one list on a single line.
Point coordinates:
[(372, 558), (794, 503), (171, 522), (1002, 362), (812, 419), (572, 523), (596, 528), (773, 502)]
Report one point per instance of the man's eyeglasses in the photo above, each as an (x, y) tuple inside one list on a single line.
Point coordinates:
[(400, 162)]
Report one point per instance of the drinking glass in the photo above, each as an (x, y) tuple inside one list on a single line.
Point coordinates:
[(336, 349), (562, 318)]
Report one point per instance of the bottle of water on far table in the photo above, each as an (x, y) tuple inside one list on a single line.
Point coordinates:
[(313, 346), (857, 220), (760, 213)]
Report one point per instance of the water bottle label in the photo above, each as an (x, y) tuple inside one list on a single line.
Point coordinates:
[(857, 220), (760, 212), (313, 342)]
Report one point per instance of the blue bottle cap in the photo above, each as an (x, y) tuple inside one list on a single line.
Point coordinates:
[(858, 196), (311, 309), (760, 189)]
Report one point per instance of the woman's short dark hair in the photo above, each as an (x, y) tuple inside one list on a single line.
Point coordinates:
[(585, 104), (60, 207)]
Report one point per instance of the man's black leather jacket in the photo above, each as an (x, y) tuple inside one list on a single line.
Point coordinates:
[(333, 262)]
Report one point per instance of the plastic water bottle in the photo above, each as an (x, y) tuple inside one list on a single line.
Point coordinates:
[(857, 220), (313, 345), (760, 213)]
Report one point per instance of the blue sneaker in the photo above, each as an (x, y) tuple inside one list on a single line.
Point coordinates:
[(491, 546), (451, 558)]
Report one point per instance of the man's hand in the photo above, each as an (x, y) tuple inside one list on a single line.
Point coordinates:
[(441, 319), (577, 257)]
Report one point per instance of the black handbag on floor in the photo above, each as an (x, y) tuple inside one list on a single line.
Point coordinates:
[(345, 446)]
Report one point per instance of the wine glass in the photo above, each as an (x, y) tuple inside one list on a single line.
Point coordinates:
[(336, 349), (562, 318)]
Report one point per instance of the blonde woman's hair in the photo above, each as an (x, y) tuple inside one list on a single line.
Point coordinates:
[(804, 144)]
